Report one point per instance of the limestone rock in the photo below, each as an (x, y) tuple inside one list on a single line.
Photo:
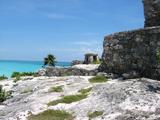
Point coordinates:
[(136, 99)]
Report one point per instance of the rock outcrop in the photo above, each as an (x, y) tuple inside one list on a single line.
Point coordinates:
[(136, 99), (135, 51), (77, 70)]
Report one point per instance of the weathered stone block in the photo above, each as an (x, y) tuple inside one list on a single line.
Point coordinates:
[(152, 12), (136, 52)]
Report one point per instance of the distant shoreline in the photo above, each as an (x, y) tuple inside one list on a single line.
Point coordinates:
[(7, 67)]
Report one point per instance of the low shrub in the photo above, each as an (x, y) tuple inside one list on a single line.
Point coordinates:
[(3, 94), (95, 114), (98, 79), (20, 74), (3, 77), (52, 115)]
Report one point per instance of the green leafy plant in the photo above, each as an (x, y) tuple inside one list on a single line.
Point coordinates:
[(52, 115), (95, 114), (158, 56), (3, 94), (3, 77), (50, 60), (98, 79)]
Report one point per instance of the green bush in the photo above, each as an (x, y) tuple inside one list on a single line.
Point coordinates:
[(95, 114), (52, 115), (3, 94), (158, 56), (20, 74), (3, 77), (98, 79)]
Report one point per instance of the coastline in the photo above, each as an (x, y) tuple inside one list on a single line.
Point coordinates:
[(10, 66)]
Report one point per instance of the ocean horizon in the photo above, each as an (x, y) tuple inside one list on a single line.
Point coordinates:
[(7, 67)]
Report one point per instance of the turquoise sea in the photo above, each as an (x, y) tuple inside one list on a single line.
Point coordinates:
[(7, 67)]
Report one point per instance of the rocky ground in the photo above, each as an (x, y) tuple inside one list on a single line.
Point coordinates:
[(86, 67), (136, 99)]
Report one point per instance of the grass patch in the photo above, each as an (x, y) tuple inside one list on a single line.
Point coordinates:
[(3, 77), (85, 91), (68, 99), (56, 89), (95, 114), (98, 79), (27, 91), (52, 115)]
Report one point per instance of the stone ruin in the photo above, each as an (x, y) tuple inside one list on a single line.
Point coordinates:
[(90, 58), (135, 52), (152, 12)]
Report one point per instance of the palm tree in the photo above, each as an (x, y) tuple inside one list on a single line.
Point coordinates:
[(50, 60)]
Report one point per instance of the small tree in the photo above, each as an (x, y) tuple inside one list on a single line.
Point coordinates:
[(50, 60)]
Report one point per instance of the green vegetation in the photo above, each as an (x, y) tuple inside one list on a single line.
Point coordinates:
[(98, 79), (95, 114), (3, 77), (20, 74), (72, 98), (85, 91), (56, 89), (52, 115), (50, 60), (3, 94), (68, 99), (158, 56), (17, 78), (96, 62), (27, 91)]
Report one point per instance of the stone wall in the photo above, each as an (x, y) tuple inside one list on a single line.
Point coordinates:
[(152, 12), (52, 71), (132, 51)]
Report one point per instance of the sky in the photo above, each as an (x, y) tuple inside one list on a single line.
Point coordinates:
[(31, 29)]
